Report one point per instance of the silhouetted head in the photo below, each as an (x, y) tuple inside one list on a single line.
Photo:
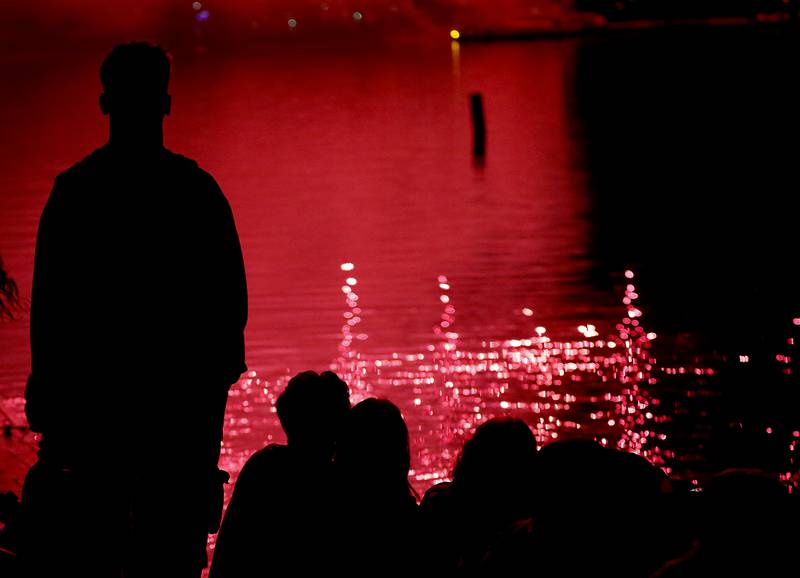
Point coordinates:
[(601, 498), (749, 519), (311, 410), (744, 503), (495, 469), (135, 80), (568, 469), (583, 471), (373, 449)]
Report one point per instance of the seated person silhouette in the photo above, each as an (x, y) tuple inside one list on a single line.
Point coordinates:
[(377, 507), (597, 511), (138, 310), (492, 488), (279, 520), (745, 525)]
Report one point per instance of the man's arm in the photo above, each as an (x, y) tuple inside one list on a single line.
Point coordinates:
[(41, 406), (231, 289), (227, 315)]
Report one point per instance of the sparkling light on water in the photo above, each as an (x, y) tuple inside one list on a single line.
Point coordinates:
[(592, 385), (588, 385)]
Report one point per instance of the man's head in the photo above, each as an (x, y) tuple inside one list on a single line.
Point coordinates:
[(135, 80), (311, 410)]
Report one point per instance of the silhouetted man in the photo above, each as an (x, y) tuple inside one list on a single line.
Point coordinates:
[(138, 309), (280, 519)]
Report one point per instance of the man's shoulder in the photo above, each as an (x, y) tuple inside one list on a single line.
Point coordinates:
[(84, 167), (268, 455), (103, 157), (204, 186), (182, 163), (187, 165), (102, 166)]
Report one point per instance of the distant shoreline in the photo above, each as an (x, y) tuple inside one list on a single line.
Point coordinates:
[(596, 24)]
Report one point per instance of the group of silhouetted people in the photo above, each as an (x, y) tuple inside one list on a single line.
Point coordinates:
[(138, 310), (336, 496), (336, 499)]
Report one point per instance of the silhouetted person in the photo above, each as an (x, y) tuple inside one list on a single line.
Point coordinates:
[(598, 512), (492, 488), (138, 309), (280, 519), (377, 533), (746, 526)]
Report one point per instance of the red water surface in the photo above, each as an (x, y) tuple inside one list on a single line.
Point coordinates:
[(477, 282), (338, 156)]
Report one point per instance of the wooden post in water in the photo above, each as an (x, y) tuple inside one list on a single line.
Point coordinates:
[(478, 125)]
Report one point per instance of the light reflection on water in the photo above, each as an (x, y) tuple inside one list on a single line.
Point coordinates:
[(597, 387), (591, 387)]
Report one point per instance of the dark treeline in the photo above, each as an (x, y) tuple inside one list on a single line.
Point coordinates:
[(666, 9)]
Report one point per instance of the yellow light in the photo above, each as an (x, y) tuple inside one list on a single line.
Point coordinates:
[(455, 34)]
